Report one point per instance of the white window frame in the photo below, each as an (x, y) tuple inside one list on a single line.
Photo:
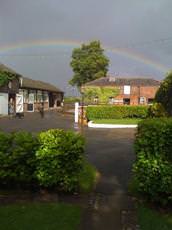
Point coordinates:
[(142, 100)]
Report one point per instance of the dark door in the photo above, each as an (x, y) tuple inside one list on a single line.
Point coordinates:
[(51, 100), (126, 101)]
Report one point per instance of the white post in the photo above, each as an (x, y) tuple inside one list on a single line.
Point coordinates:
[(76, 112)]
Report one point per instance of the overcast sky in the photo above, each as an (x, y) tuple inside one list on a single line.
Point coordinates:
[(141, 27)]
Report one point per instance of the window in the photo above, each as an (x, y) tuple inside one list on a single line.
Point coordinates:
[(150, 101), (111, 100), (33, 95), (45, 96), (96, 99), (25, 95), (127, 89), (39, 96), (142, 100)]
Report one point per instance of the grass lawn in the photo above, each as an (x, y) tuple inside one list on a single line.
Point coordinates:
[(129, 121), (151, 220), (37, 216)]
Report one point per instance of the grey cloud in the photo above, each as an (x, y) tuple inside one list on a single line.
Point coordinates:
[(114, 22)]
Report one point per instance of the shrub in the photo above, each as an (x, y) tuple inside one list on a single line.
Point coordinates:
[(154, 138), (71, 100), (154, 177), (157, 110), (60, 159), (164, 93), (153, 168), (53, 159), (17, 157), (115, 112)]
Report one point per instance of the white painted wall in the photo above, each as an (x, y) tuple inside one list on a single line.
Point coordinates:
[(3, 104)]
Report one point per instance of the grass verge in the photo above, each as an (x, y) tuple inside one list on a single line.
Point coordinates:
[(87, 177), (130, 121), (37, 216), (152, 220)]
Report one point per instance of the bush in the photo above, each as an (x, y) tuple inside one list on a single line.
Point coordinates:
[(55, 158), (153, 168), (116, 112), (71, 100), (164, 93), (60, 159), (157, 110), (17, 157)]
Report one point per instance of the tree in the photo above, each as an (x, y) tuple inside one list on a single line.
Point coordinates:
[(88, 63), (5, 77), (164, 93)]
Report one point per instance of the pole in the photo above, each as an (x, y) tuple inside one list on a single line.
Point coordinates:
[(76, 112), (82, 109)]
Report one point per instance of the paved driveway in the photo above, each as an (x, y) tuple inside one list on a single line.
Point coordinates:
[(111, 151)]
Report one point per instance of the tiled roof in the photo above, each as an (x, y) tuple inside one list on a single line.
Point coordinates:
[(120, 81), (34, 84), (7, 69), (29, 83)]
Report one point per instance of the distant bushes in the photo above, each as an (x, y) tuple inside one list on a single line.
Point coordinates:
[(54, 158), (71, 100), (153, 166), (115, 112)]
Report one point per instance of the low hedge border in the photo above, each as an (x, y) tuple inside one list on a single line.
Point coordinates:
[(116, 112), (153, 166), (51, 159)]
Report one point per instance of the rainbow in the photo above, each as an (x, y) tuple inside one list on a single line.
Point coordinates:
[(124, 52)]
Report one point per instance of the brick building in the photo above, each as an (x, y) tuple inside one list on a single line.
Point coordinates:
[(132, 91), (27, 95)]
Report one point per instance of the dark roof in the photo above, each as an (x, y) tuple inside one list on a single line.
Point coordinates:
[(120, 81), (29, 83), (34, 84)]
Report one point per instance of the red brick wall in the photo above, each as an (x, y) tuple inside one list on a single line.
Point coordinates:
[(137, 92), (148, 92)]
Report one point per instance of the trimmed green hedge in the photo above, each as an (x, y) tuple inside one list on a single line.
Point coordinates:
[(17, 158), (153, 166), (53, 158), (60, 159), (116, 112)]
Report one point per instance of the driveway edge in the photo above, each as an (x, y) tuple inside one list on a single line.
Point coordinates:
[(110, 126)]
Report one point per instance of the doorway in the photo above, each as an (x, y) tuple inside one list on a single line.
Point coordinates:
[(126, 101)]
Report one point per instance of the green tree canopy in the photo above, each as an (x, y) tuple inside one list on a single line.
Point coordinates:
[(164, 94), (88, 63), (5, 77)]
